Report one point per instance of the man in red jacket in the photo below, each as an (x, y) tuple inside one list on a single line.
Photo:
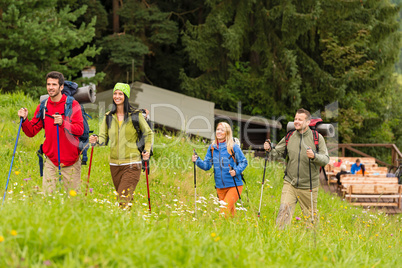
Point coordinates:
[(70, 129)]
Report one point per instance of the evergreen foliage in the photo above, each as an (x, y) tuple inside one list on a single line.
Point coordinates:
[(144, 31), (277, 56), (36, 37)]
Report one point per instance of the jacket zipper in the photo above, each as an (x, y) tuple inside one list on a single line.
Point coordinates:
[(118, 138), (298, 163), (220, 166)]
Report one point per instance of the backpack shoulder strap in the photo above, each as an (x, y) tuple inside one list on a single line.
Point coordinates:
[(212, 151), (68, 107), (136, 121), (288, 135), (287, 138), (233, 155), (316, 137), (42, 109)]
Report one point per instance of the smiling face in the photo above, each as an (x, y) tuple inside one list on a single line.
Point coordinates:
[(301, 124), (118, 97), (220, 133), (53, 87)]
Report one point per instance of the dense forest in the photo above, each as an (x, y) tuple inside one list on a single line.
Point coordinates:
[(274, 55)]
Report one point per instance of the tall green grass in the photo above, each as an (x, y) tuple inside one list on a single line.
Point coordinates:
[(91, 231)]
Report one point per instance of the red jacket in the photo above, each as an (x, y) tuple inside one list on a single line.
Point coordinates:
[(69, 131)]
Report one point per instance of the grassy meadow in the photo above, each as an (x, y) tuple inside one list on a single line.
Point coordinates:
[(64, 230)]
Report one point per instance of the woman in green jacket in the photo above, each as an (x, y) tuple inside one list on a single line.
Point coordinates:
[(118, 130)]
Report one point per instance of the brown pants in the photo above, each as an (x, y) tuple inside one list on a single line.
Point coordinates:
[(292, 195), (230, 197), (125, 180), (70, 176)]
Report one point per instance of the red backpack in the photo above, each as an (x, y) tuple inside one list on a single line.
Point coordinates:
[(314, 122)]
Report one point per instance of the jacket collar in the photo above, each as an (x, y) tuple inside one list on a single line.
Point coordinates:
[(62, 100)]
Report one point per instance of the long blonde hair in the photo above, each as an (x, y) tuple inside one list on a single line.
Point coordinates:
[(229, 136)]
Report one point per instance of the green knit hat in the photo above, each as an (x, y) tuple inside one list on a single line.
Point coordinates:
[(125, 88)]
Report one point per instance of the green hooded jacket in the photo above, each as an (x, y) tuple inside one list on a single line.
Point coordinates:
[(297, 168), (123, 140)]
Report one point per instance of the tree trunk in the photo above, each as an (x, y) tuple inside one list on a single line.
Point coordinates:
[(116, 26)]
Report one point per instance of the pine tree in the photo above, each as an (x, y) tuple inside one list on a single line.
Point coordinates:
[(277, 56), (36, 38), (144, 29)]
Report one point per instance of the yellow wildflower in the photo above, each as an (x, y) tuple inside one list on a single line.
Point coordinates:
[(73, 193), (1, 238), (13, 232), (213, 235), (17, 172)]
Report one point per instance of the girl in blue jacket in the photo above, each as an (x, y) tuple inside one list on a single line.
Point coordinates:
[(225, 155)]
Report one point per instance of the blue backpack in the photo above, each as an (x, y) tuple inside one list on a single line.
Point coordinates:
[(70, 88)]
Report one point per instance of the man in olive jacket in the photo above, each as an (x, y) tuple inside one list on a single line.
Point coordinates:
[(303, 159)]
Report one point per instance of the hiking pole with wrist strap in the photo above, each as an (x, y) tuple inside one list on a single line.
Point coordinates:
[(58, 152), (262, 184), (89, 168), (12, 160), (195, 186), (146, 174), (312, 203), (237, 189)]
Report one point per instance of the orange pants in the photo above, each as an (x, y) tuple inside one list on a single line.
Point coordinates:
[(230, 196)]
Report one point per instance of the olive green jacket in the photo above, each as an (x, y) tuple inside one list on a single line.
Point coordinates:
[(123, 140), (297, 169)]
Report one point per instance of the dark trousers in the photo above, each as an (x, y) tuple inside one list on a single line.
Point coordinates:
[(125, 180)]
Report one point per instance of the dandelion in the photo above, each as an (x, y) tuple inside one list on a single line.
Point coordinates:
[(73, 193), (17, 173), (1, 238), (213, 235), (217, 239), (13, 232)]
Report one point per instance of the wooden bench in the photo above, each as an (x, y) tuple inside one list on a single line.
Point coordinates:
[(376, 192), (368, 180), (349, 179)]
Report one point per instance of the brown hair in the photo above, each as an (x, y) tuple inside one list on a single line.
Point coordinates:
[(56, 75), (304, 111)]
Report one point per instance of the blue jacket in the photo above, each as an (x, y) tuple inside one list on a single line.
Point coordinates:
[(221, 161), (356, 168)]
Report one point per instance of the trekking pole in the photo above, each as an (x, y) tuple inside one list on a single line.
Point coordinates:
[(12, 161), (312, 208), (262, 184), (195, 187), (237, 189), (58, 152), (146, 174), (311, 192), (89, 169)]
